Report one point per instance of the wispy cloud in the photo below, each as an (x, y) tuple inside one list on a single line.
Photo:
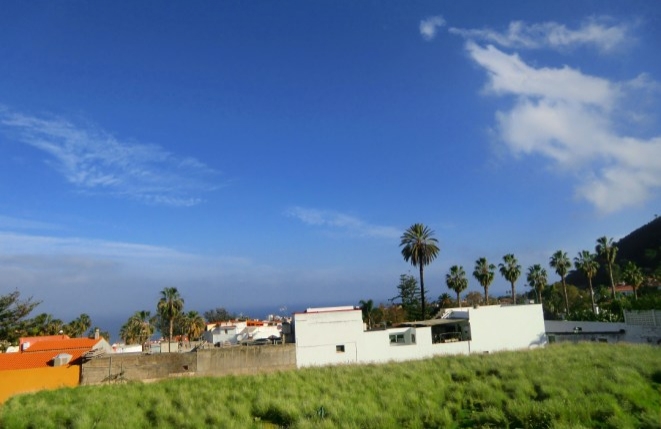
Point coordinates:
[(96, 162), (7, 222), (429, 26), (340, 221), (599, 32), (579, 121)]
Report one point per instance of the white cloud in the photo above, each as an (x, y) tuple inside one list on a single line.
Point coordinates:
[(96, 162), (7, 222), (510, 75), (597, 32), (347, 223), (429, 26), (575, 120)]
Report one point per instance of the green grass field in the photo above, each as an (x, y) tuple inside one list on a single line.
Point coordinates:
[(585, 385)]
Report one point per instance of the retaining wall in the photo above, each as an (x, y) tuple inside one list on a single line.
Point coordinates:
[(209, 362)]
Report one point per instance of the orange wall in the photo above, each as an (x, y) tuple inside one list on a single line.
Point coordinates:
[(32, 380)]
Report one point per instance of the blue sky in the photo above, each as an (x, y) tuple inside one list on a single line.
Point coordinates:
[(269, 154)]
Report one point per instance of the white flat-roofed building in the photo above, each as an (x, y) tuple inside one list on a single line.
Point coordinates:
[(336, 335)]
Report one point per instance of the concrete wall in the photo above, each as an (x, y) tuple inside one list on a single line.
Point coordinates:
[(559, 331), (509, 327), (376, 346), (210, 362), (246, 360), (138, 367), (35, 379)]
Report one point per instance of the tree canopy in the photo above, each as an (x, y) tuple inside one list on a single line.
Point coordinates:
[(420, 248)]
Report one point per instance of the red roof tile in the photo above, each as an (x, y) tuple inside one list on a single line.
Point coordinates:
[(34, 340), (62, 345), (13, 361)]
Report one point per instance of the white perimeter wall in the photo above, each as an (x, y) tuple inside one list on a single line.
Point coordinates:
[(376, 347), (511, 327)]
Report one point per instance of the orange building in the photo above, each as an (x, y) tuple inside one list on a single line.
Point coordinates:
[(45, 363)]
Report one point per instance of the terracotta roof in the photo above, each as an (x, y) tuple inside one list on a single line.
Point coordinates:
[(62, 345), (13, 361), (34, 340)]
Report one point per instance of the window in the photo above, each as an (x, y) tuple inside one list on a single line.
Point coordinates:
[(339, 348), (397, 339), (413, 338)]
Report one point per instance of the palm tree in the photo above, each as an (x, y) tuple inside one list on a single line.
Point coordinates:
[(561, 264), (537, 280), (457, 281), (511, 270), (194, 325), (607, 250), (138, 329), (170, 307), (633, 276), (484, 273), (420, 248), (367, 307), (587, 262), (445, 300)]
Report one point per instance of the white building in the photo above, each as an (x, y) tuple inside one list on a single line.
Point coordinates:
[(236, 332), (336, 335)]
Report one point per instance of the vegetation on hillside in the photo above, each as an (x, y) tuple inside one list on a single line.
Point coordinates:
[(583, 385)]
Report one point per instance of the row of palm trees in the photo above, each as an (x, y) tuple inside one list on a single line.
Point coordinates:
[(420, 248), (140, 327)]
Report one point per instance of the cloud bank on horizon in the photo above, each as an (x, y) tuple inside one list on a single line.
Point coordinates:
[(583, 124), (95, 162)]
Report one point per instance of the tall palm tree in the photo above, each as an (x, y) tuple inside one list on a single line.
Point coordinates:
[(607, 250), (420, 248), (457, 281), (484, 272), (587, 262), (170, 307), (634, 277), (561, 264), (511, 270), (537, 280)]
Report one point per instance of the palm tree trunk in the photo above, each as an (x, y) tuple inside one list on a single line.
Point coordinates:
[(170, 339), (594, 308), (422, 291), (513, 294), (486, 295), (610, 273), (459, 299), (564, 287)]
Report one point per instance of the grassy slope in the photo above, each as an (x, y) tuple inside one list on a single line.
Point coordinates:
[(570, 385)]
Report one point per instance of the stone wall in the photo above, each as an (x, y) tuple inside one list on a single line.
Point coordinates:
[(209, 362), (246, 360), (141, 367)]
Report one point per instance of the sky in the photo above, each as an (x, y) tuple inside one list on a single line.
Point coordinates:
[(266, 156)]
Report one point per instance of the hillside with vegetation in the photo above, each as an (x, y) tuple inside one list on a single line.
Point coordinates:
[(641, 247), (583, 385)]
